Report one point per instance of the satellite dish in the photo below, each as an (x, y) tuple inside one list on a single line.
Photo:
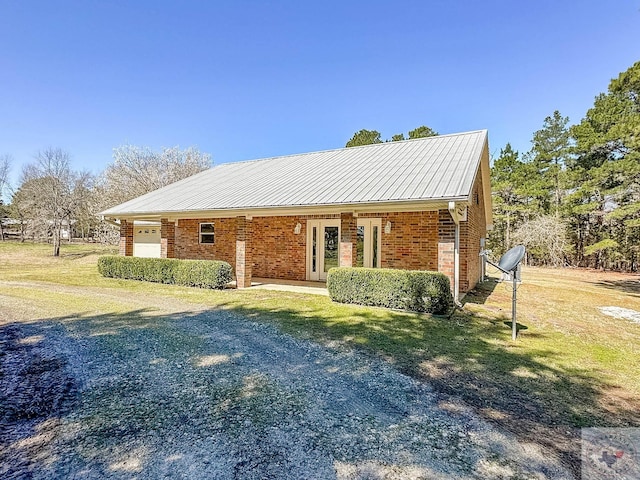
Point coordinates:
[(510, 260), (509, 265)]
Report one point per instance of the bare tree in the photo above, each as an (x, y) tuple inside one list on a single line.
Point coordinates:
[(138, 170), (52, 194), (545, 238), (5, 168)]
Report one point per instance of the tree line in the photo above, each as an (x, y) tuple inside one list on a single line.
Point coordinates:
[(369, 137), (54, 202), (574, 198)]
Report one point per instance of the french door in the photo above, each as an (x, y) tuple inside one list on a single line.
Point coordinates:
[(323, 247), (368, 244)]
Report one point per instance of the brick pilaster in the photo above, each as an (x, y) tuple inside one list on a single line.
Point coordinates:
[(348, 239), (446, 244), (167, 238), (126, 238), (244, 257)]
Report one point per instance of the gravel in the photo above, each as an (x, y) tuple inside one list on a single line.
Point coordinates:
[(211, 394)]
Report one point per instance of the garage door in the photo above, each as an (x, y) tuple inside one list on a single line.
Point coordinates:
[(146, 241)]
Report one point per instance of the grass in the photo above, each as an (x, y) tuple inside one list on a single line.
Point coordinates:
[(571, 366)]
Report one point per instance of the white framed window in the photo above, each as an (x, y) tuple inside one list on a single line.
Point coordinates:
[(207, 233)]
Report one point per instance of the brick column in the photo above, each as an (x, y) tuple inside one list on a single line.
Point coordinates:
[(126, 238), (167, 238), (244, 257), (446, 244), (348, 239)]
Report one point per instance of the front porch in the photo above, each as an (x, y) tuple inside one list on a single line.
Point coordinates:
[(295, 252), (296, 286)]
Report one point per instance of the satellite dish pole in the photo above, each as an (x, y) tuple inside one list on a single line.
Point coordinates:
[(509, 264), (514, 325)]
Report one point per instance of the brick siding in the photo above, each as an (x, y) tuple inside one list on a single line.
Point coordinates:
[(243, 252), (126, 238), (446, 245), (413, 241), (348, 239), (417, 240), (187, 243), (471, 232), (167, 238), (277, 251)]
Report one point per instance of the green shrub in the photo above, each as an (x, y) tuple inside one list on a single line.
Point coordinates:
[(203, 273), (192, 273), (414, 290)]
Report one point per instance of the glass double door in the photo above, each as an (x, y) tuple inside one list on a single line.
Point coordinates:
[(323, 247)]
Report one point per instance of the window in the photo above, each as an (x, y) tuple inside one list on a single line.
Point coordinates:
[(207, 234)]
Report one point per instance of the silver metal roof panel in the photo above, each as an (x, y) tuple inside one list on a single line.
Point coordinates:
[(432, 168)]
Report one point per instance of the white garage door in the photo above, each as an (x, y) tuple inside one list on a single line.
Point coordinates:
[(146, 241)]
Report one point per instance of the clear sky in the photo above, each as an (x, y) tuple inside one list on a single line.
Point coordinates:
[(252, 79)]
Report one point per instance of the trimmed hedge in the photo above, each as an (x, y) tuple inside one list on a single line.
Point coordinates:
[(191, 273), (415, 290)]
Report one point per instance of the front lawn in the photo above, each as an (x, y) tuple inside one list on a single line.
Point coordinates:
[(571, 367)]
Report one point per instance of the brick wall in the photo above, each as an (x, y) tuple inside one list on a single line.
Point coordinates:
[(187, 240), (167, 238), (126, 238), (413, 241), (277, 251), (471, 232), (418, 241), (244, 252), (446, 245), (348, 239)]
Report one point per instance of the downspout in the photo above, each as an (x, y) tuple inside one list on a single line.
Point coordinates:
[(456, 254)]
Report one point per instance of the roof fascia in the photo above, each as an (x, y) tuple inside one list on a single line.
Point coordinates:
[(378, 207), (484, 170)]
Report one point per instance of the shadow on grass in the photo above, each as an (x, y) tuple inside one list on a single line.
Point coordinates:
[(468, 357), (160, 390), (39, 387), (630, 287), (83, 254), (144, 382), (481, 292)]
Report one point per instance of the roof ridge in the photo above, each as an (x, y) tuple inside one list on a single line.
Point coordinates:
[(328, 150)]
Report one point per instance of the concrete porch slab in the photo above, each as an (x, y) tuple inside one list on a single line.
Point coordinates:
[(314, 288)]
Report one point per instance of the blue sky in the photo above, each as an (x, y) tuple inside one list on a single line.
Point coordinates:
[(251, 79)]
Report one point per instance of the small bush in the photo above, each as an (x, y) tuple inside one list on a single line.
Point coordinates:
[(202, 273), (191, 273), (414, 290)]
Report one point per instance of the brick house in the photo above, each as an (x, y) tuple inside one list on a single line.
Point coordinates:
[(416, 204)]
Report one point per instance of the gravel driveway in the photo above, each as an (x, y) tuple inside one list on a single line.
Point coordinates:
[(210, 394)]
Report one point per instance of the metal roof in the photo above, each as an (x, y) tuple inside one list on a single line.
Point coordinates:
[(426, 169)]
